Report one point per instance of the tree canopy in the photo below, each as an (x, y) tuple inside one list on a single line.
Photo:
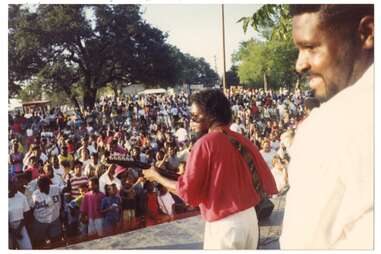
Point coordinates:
[(91, 46), (274, 59)]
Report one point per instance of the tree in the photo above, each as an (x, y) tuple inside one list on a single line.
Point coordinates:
[(271, 62), (64, 45), (192, 70), (272, 21), (232, 76)]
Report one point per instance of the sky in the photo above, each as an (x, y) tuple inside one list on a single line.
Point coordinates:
[(197, 29)]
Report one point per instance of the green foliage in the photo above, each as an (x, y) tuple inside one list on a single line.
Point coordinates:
[(272, 21), (275, 59), (192, 70), (90, 46), (30, 92)]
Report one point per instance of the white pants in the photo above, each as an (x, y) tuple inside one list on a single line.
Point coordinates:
[(236, 231), (95, 226)]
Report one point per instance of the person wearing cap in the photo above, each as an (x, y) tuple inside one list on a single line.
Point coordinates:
[(121, 173)]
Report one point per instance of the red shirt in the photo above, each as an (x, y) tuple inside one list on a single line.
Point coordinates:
[(217, 178), (35, 171), (70, 148), (152, 204)]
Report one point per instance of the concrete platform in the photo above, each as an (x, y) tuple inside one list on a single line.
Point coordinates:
[(182, 234)]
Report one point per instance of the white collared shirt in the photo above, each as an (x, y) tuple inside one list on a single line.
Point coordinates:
[(330, 201)]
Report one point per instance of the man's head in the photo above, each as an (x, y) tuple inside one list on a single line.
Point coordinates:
[(85, 153), (48, 170), (64, 150), (83, 188), (94, 184), (148, 186), (94, 158), (111, 189), (43, 184), (336, 45), (266, 145), (78, 168), (12, 188), (208, 107), (172, 150)]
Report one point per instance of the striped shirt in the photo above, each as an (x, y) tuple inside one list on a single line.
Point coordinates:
[(76, 182)]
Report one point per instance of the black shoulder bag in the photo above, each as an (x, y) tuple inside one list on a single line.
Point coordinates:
[(265, 207)]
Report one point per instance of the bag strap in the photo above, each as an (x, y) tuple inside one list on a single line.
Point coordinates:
[(250, 163)]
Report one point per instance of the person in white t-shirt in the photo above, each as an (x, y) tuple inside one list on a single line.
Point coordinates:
[(237, 126), (54, 178), (109, 178), (17, 208), (280, 174), (181, 134), (57, 168), (46, 202), (85, 157), (267, 152)]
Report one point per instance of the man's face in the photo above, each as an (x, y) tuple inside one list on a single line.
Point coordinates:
[(77, 170), (172, 151), (94, 159), (93, 186), (325, 56), (266, 146)]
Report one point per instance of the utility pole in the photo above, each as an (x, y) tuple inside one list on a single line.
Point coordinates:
[(223, 54), (215, 63)]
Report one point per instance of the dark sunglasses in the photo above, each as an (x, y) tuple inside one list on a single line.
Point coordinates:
[(197, 118)]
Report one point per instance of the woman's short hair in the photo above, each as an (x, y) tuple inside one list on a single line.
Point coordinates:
[(214, 103)]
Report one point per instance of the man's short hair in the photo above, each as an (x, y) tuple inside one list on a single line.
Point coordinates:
[(43, 182), (94, 180), (214, 103), (77, 163), (335, 14)]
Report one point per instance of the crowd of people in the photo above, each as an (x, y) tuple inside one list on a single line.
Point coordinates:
[(62, 184)]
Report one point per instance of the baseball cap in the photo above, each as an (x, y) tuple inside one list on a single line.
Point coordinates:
[(119, 170)]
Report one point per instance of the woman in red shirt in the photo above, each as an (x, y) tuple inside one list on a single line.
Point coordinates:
[(217, 177)]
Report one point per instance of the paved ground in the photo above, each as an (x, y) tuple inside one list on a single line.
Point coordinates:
[(183, 234)]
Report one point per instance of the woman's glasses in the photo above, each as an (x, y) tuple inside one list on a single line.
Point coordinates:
[(196, 118)]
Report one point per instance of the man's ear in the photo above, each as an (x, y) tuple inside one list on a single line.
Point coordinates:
[(366, 30)]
